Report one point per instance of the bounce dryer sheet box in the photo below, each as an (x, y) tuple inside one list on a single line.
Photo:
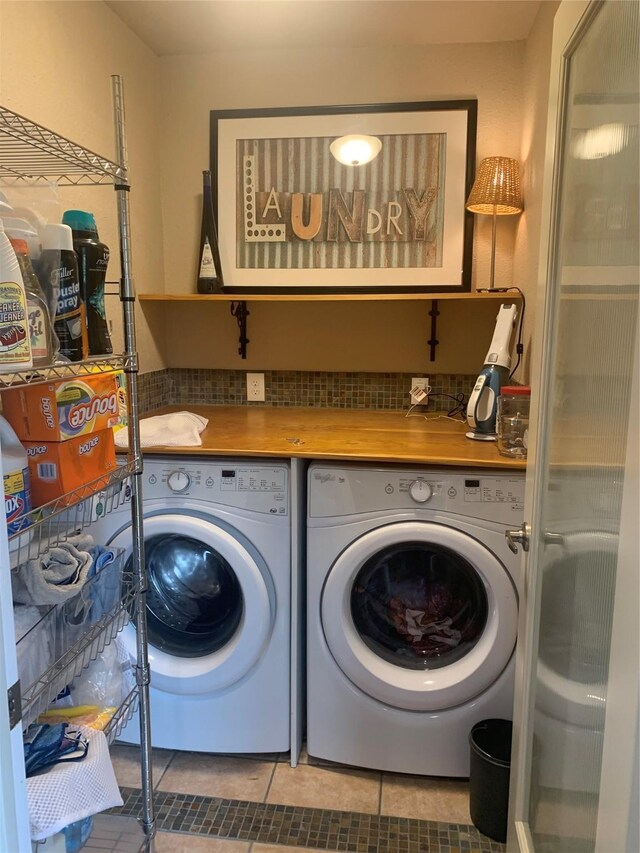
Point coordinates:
[(65, 409), (59, 467)]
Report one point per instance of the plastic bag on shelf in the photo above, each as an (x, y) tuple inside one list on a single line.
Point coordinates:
[(96, 694)]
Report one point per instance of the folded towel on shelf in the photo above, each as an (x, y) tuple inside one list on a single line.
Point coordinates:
[(53, 577), (178, 429)]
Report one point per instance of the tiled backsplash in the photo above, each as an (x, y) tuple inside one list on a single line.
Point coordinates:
[(185, 386)]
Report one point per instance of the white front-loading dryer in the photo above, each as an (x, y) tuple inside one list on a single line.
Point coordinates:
[(217, 551), (412, 598)]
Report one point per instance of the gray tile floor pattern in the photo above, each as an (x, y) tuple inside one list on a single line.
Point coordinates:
[(259, 804)]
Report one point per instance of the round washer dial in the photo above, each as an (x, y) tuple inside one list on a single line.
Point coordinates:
[(178, 481), (420, 491)]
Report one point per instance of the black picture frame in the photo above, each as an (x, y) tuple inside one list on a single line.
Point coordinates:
[(272, 136)]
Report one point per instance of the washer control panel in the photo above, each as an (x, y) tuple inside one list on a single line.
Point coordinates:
[(346, 491), (259, 488)]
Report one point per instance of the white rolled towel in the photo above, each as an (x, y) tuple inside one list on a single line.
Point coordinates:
[(178, 429)]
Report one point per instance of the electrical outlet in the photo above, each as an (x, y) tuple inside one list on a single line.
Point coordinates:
[(419, 390), (255, 387)]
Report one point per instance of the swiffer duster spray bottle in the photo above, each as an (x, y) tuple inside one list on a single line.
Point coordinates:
[(58, 271)]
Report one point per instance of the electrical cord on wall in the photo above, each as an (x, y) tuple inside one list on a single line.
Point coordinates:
[(519, 345), (458, 412)]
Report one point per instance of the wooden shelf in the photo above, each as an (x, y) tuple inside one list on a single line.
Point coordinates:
[(238, 304), (321, 297)]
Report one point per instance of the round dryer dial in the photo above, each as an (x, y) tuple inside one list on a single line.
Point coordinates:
[(420, 491), (178, 481)]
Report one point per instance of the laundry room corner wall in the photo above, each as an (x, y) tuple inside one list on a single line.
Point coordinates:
[(537, 64), (56, 59)]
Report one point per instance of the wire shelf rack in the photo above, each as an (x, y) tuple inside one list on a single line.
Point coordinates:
[(41, 693), (64, 370), (30, 153), (122, 716), (53, 523)]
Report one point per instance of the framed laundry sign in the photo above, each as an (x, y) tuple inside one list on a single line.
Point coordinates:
[(292, 217)]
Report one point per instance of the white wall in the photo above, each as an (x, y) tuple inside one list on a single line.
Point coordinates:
[(339, 336), (168, 104), (537, 60), (56, 59)]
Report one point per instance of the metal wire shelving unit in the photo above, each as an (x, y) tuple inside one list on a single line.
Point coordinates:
[(64, 370), (32, 154)]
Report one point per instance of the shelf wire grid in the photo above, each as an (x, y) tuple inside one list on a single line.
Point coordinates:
[(64, 370), (122, 716), (49, 525), (30, 153), (41, 693)]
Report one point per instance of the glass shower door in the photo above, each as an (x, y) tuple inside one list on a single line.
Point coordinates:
[(586, 425)]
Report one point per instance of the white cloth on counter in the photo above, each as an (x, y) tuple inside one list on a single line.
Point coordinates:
[(178, 429), (72, 791)]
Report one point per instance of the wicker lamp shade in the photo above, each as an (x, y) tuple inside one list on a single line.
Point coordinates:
[(496, 189)]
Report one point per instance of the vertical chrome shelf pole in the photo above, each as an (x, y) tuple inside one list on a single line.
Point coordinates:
[(127, 297)]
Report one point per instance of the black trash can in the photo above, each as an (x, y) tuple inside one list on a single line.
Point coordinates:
[(490, 742)]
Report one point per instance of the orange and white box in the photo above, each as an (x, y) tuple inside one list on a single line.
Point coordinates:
[(65, 409), (59, 467)]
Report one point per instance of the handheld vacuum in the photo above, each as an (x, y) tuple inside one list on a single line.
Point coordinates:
[(483, 402)]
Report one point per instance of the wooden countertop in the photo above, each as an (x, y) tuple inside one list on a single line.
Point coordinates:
[(347, 434)]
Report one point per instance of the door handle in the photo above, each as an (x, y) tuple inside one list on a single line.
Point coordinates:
[(518, 537)]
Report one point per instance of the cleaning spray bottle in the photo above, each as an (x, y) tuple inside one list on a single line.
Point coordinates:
[(15, 345), (17, 488)]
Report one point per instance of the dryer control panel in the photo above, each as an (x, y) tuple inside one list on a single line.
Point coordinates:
[(258, 488), (347, 491)]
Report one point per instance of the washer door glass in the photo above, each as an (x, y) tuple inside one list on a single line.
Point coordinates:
[(419, 605), (210, 602), (420, 616), (194, 600)]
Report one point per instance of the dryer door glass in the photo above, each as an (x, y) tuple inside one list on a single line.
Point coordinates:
[(419, 605), (194, 600)]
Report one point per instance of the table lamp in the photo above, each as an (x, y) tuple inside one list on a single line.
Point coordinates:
[(496, 192)]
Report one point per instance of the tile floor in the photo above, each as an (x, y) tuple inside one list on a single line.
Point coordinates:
[(248, 802), (312, 784)]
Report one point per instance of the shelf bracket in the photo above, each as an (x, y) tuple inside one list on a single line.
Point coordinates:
[(15, 704), (433, 341), (240, 311)]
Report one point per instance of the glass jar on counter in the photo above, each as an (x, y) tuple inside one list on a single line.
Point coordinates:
[(513, 420)]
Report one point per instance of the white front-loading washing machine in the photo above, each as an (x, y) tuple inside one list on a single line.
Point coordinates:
[(412, 610), (217, 543)]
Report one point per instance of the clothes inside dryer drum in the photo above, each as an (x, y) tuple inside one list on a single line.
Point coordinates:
[(194, 599), (419, 606)]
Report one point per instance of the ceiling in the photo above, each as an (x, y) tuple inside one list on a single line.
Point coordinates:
[(172, 27)]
